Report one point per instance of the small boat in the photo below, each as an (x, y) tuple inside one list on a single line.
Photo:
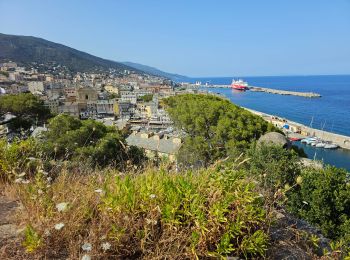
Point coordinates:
[(294, 138), (320, 145), (308, 140), (330, 145)]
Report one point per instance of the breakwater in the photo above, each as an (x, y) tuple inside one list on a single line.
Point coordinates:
[(266, 90), (285, 92)]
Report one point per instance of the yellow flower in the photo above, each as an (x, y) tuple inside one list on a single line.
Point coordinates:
[(299, 180)]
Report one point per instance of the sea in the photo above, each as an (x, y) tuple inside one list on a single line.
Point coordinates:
[(331, 112)]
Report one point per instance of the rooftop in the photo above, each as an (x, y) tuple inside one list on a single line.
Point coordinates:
[(161, 143)]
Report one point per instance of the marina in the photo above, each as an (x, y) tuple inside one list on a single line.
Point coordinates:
[(299, 132)]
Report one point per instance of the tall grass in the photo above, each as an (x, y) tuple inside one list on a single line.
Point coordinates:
[(150, 214)]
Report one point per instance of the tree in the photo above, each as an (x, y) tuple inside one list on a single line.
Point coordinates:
[(146, 98), (215, 127), (90, 141), (27, 108)]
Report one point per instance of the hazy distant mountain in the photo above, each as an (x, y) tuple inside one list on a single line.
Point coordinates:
[(156, 72), (27, 49)]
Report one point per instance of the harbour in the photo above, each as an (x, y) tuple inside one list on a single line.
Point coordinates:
[(296, 130), (262, 89), (326, 117)]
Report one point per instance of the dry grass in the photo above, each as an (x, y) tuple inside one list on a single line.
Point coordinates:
[(151, 215)]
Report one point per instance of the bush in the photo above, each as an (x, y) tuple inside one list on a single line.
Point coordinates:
[(273, 166), (154, 214), (18, 158), (323, 199)]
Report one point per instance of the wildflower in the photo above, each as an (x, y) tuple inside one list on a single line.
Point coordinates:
[(305, 202), (18, 180), (47, 232), (106, 246), (299, 180), (61, 207), (93, 129), (150, 221), (98, 190), (86, 257), (49, 179), (40, 191), (152, 196), (59, 226), (22, 174), (286, 187), (86, 247)]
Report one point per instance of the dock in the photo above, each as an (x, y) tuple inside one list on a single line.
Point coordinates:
[(300, 130), (285, 92), (266, 90)]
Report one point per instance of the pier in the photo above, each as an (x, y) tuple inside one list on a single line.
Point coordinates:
[(285, 92), (266, 90)]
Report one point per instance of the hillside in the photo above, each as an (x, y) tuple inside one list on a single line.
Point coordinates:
[(156, 72), (27, 49)]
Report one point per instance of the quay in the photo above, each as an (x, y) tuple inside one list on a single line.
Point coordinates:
[(285, 92), (266, 90), (302, 131)]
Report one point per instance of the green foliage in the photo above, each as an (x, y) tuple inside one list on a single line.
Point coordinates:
[(216, 128), (323, 199), (18, 157), (27, 107), (273, 166), (32, 240), (146, 98), (89, 141), (5, 73), (154, 213)]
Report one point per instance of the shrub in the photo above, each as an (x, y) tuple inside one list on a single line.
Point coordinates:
[(18, 158), (273, 166), (213, 212), (323, 199)]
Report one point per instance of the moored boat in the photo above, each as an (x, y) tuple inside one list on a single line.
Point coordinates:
[(330, 145), (320, 144), (308, 140), (295, 138)]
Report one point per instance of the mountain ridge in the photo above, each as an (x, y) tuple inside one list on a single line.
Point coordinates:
[(27, 49), (156, 71)]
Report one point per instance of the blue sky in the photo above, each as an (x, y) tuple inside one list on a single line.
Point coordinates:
[(196, 37)]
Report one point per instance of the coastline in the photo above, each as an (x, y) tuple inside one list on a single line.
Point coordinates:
[(341, 140)]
